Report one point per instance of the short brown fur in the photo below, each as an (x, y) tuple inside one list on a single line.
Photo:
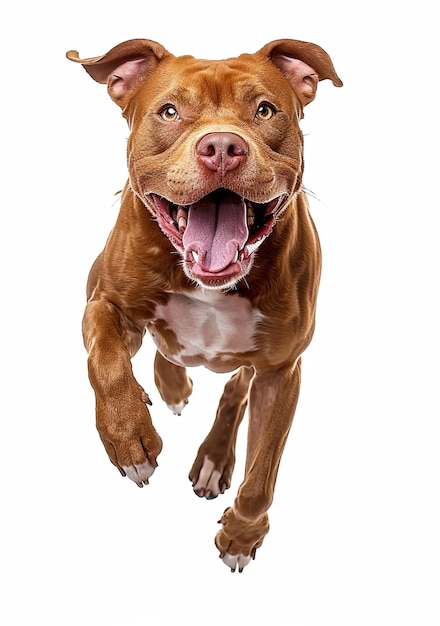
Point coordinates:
[(205, 133)]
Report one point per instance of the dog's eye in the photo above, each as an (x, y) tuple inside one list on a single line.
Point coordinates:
[(265, 111), (169, 113)]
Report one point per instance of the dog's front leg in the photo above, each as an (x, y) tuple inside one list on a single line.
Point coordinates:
[(122, 418), (272, 403)]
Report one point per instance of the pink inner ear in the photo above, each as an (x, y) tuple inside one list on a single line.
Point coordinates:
[(303, 77), (125, 76)]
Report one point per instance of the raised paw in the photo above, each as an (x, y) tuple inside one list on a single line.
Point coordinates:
[(129, 436), (239, 539), (139, 474)]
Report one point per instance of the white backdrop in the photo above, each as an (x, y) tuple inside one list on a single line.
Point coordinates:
[(354, 534)]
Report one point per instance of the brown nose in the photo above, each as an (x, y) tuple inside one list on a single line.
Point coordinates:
[(222, 151)]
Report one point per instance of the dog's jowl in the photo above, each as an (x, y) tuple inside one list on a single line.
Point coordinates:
[(214, 253)]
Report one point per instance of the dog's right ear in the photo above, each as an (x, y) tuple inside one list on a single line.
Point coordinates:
[(123, 67)]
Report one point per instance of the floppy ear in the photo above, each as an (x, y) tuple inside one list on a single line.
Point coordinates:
[(123, 66), (304, 65)]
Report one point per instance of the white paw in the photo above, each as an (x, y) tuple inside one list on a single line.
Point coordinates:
[(177, 408), (236, 560), (208, 482), (139, 474)]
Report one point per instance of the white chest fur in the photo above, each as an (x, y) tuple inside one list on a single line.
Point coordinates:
[(209, 325)]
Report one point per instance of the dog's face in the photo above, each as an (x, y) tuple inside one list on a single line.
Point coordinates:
[(215, 153), (215, 150)]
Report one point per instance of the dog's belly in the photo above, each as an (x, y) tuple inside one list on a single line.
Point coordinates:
[(207, 328)]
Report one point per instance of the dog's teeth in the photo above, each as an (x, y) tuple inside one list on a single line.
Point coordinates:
[(250, 215), (181, 219), (195, 256)]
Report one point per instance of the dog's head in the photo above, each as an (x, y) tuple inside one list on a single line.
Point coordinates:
[(215, 149)]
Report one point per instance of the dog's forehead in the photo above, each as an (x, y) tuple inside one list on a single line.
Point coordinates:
[(245, 63), (248, 74)]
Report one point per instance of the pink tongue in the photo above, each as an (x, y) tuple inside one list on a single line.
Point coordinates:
[(216, 230)]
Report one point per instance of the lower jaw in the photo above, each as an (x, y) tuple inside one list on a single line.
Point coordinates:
[(226, 279)]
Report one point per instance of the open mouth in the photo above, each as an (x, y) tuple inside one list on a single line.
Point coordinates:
[(218, 234)]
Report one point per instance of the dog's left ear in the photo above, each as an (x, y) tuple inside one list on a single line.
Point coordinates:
[(304, 65)]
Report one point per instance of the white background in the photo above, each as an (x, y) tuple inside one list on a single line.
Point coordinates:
[(355, 525)]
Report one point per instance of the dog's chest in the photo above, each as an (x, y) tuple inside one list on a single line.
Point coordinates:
[(204, 326)]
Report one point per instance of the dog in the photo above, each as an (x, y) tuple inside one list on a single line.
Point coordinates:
[(215, 254)]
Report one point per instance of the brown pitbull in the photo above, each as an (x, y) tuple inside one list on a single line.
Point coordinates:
[(214, 253)]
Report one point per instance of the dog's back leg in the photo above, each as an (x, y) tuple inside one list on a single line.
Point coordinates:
[(173, 383), (245, 524), (212, 470)]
